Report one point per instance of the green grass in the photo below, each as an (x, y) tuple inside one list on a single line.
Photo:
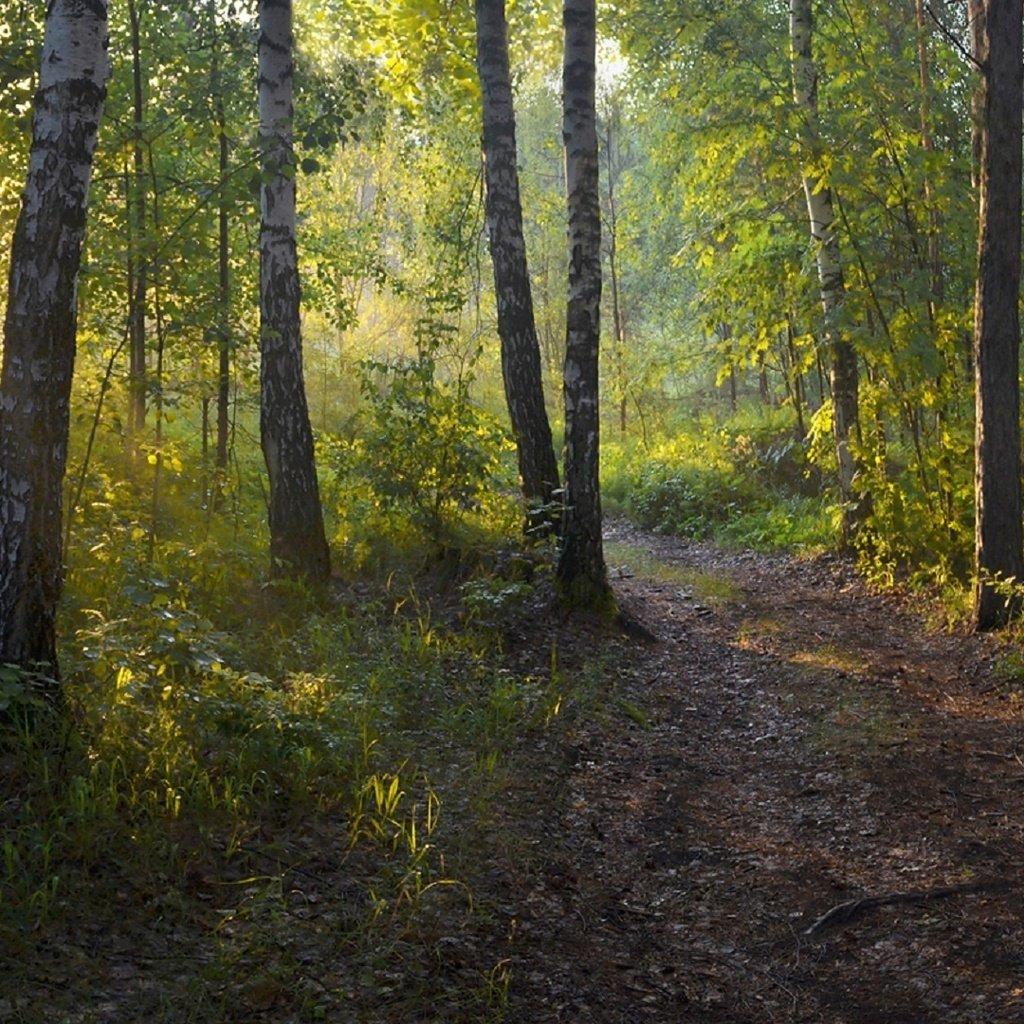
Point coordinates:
[(747, 483), (261, 798), (714, 588)]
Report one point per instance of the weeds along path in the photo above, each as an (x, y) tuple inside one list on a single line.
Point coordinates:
[(788, 743), (793, 803)]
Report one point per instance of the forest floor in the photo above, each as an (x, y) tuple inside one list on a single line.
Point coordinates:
[(794, 743), (793, 801)]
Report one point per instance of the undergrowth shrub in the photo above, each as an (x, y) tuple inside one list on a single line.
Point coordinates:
[(914, 488), (920, 524), (204, 703), (687, 501), (423, 461), (748, 483)]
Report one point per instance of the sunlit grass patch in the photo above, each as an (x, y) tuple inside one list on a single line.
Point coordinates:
[(236, 751), (715, 588), (829, 656), (790, 523), (747, 482), (753, 632)]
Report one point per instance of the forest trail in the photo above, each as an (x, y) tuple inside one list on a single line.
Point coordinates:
[(793, 804), (789, 742)]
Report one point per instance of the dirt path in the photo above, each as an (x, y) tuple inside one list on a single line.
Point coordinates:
[(672, 848), (789, 742)]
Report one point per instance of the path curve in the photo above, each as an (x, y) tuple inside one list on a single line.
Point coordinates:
[(789, 741)]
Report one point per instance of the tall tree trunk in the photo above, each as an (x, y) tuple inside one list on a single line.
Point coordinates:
[(138, 256), (298, 545), (999, 546), (223, 295), (157, 381), (581, 570), (612, 250), (520, 350), (928, 145), (976, 16), (223, 332), (843, 358), (796, 379), (40, 326)]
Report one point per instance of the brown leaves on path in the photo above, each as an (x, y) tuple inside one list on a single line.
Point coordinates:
[(791, 742)]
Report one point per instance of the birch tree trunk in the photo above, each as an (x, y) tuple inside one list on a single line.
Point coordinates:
[(581, 570), (39, 329), (843, 358), (223, 301), (298, 545), (520, 350), (999, 546)]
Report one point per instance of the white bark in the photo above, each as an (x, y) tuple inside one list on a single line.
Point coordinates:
[(581, 568), (520, 349), (821, 215), (298, 545), (40, 325)]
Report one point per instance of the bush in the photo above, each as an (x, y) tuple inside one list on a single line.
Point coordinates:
[(687, 501), (424, 458), (749, 482)]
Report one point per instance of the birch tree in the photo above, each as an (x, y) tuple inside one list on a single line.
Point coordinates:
[(520, 350), (818, 193), (581, 569), (998, 535), (298, 545), (40, 329)]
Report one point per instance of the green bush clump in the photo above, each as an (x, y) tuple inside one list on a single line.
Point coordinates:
[(686, 500), (748, 483), (426, 461)]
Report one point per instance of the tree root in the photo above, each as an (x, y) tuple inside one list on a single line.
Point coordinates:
[(851, 910)]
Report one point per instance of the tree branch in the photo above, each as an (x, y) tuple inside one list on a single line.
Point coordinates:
[(952, 39)]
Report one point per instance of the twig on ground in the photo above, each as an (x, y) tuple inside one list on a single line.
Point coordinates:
[(850, 910)]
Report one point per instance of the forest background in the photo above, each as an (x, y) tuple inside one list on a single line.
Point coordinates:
[(714, 375), (193, 680)]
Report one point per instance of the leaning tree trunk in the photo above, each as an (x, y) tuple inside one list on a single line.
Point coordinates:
[(843, 358), (39, 330), (298, 545), (581, 570), (998, 534), (520, 350)]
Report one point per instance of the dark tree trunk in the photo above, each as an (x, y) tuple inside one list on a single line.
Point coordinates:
[(998, 534), (795, 380), (976, 15), (298, 546), (39, 330), (581, 570), (520, 350), (224, 301)]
